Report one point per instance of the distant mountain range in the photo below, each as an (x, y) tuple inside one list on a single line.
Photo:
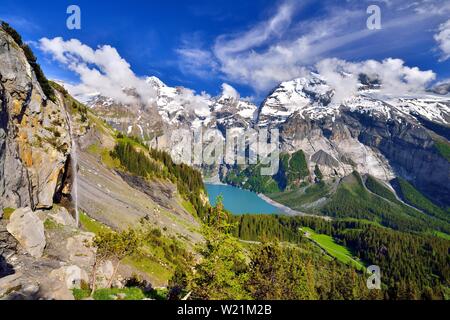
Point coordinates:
[(370, 132)]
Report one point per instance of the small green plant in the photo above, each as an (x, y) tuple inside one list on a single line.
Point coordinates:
[(80, 294), (318, 173), (49, 224), (119, 294), (115, 246), (7, 212)]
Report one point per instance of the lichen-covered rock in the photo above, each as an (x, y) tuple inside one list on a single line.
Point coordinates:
[(80, 251), (28, 229), (72, 276), (35, 139), (62, 216), (104, 273)]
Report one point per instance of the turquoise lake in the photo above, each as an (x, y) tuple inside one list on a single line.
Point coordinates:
[(239, 201)]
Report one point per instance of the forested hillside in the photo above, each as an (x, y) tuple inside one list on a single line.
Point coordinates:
[(427, 278)]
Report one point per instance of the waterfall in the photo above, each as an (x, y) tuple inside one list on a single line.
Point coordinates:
[(74, 165)]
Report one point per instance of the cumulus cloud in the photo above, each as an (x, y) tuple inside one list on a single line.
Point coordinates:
[(339, 77), (101, 71), (394, 76), (229, 92), (443, 40), (200, 104)]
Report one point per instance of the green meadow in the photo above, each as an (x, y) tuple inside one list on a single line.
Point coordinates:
[(334, 249)]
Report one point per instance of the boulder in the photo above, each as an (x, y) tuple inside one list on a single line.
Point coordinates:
[(104, 274), (62, 216), (18, 287), (80, 251), (28, 230), (73, 276)]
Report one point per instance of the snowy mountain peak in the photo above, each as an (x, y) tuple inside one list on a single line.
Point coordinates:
[(312, 97), (155, 82)]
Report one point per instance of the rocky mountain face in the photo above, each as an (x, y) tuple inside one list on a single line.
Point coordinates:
[(35, 140), (371, 133), (174, 108)]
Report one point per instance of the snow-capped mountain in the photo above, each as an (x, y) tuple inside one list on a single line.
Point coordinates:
[(174, 107), (441, 88), (369, 131), (312, 98)]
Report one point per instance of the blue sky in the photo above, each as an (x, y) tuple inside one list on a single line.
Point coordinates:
[(251, 45)]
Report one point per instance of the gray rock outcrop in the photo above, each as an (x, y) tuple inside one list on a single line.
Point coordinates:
[(28, 229), (34, 135)]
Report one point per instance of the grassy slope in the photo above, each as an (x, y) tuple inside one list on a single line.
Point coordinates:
[(353, 200), (413, 197), (91, 225), (376, 187), (155, 260), (151, 260), (105, 155), (443, 147), (296, 198), (131, 293), (441, 235), (337, 251)]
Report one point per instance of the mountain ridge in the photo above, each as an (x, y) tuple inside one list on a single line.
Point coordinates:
[(361, 132)]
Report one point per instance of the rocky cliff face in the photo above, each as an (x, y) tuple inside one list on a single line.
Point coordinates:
[(368, 132), (35, 139)]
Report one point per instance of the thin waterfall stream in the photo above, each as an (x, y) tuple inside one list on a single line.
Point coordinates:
[(73, 166)]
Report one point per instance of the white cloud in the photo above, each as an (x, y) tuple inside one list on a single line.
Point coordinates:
[(280, 49), (394, 76), (193, 102), (339, 77), (273, 27), (229, 92), (101, 71), (275, 50), (431, 7), (443, 40), (196, 61)]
